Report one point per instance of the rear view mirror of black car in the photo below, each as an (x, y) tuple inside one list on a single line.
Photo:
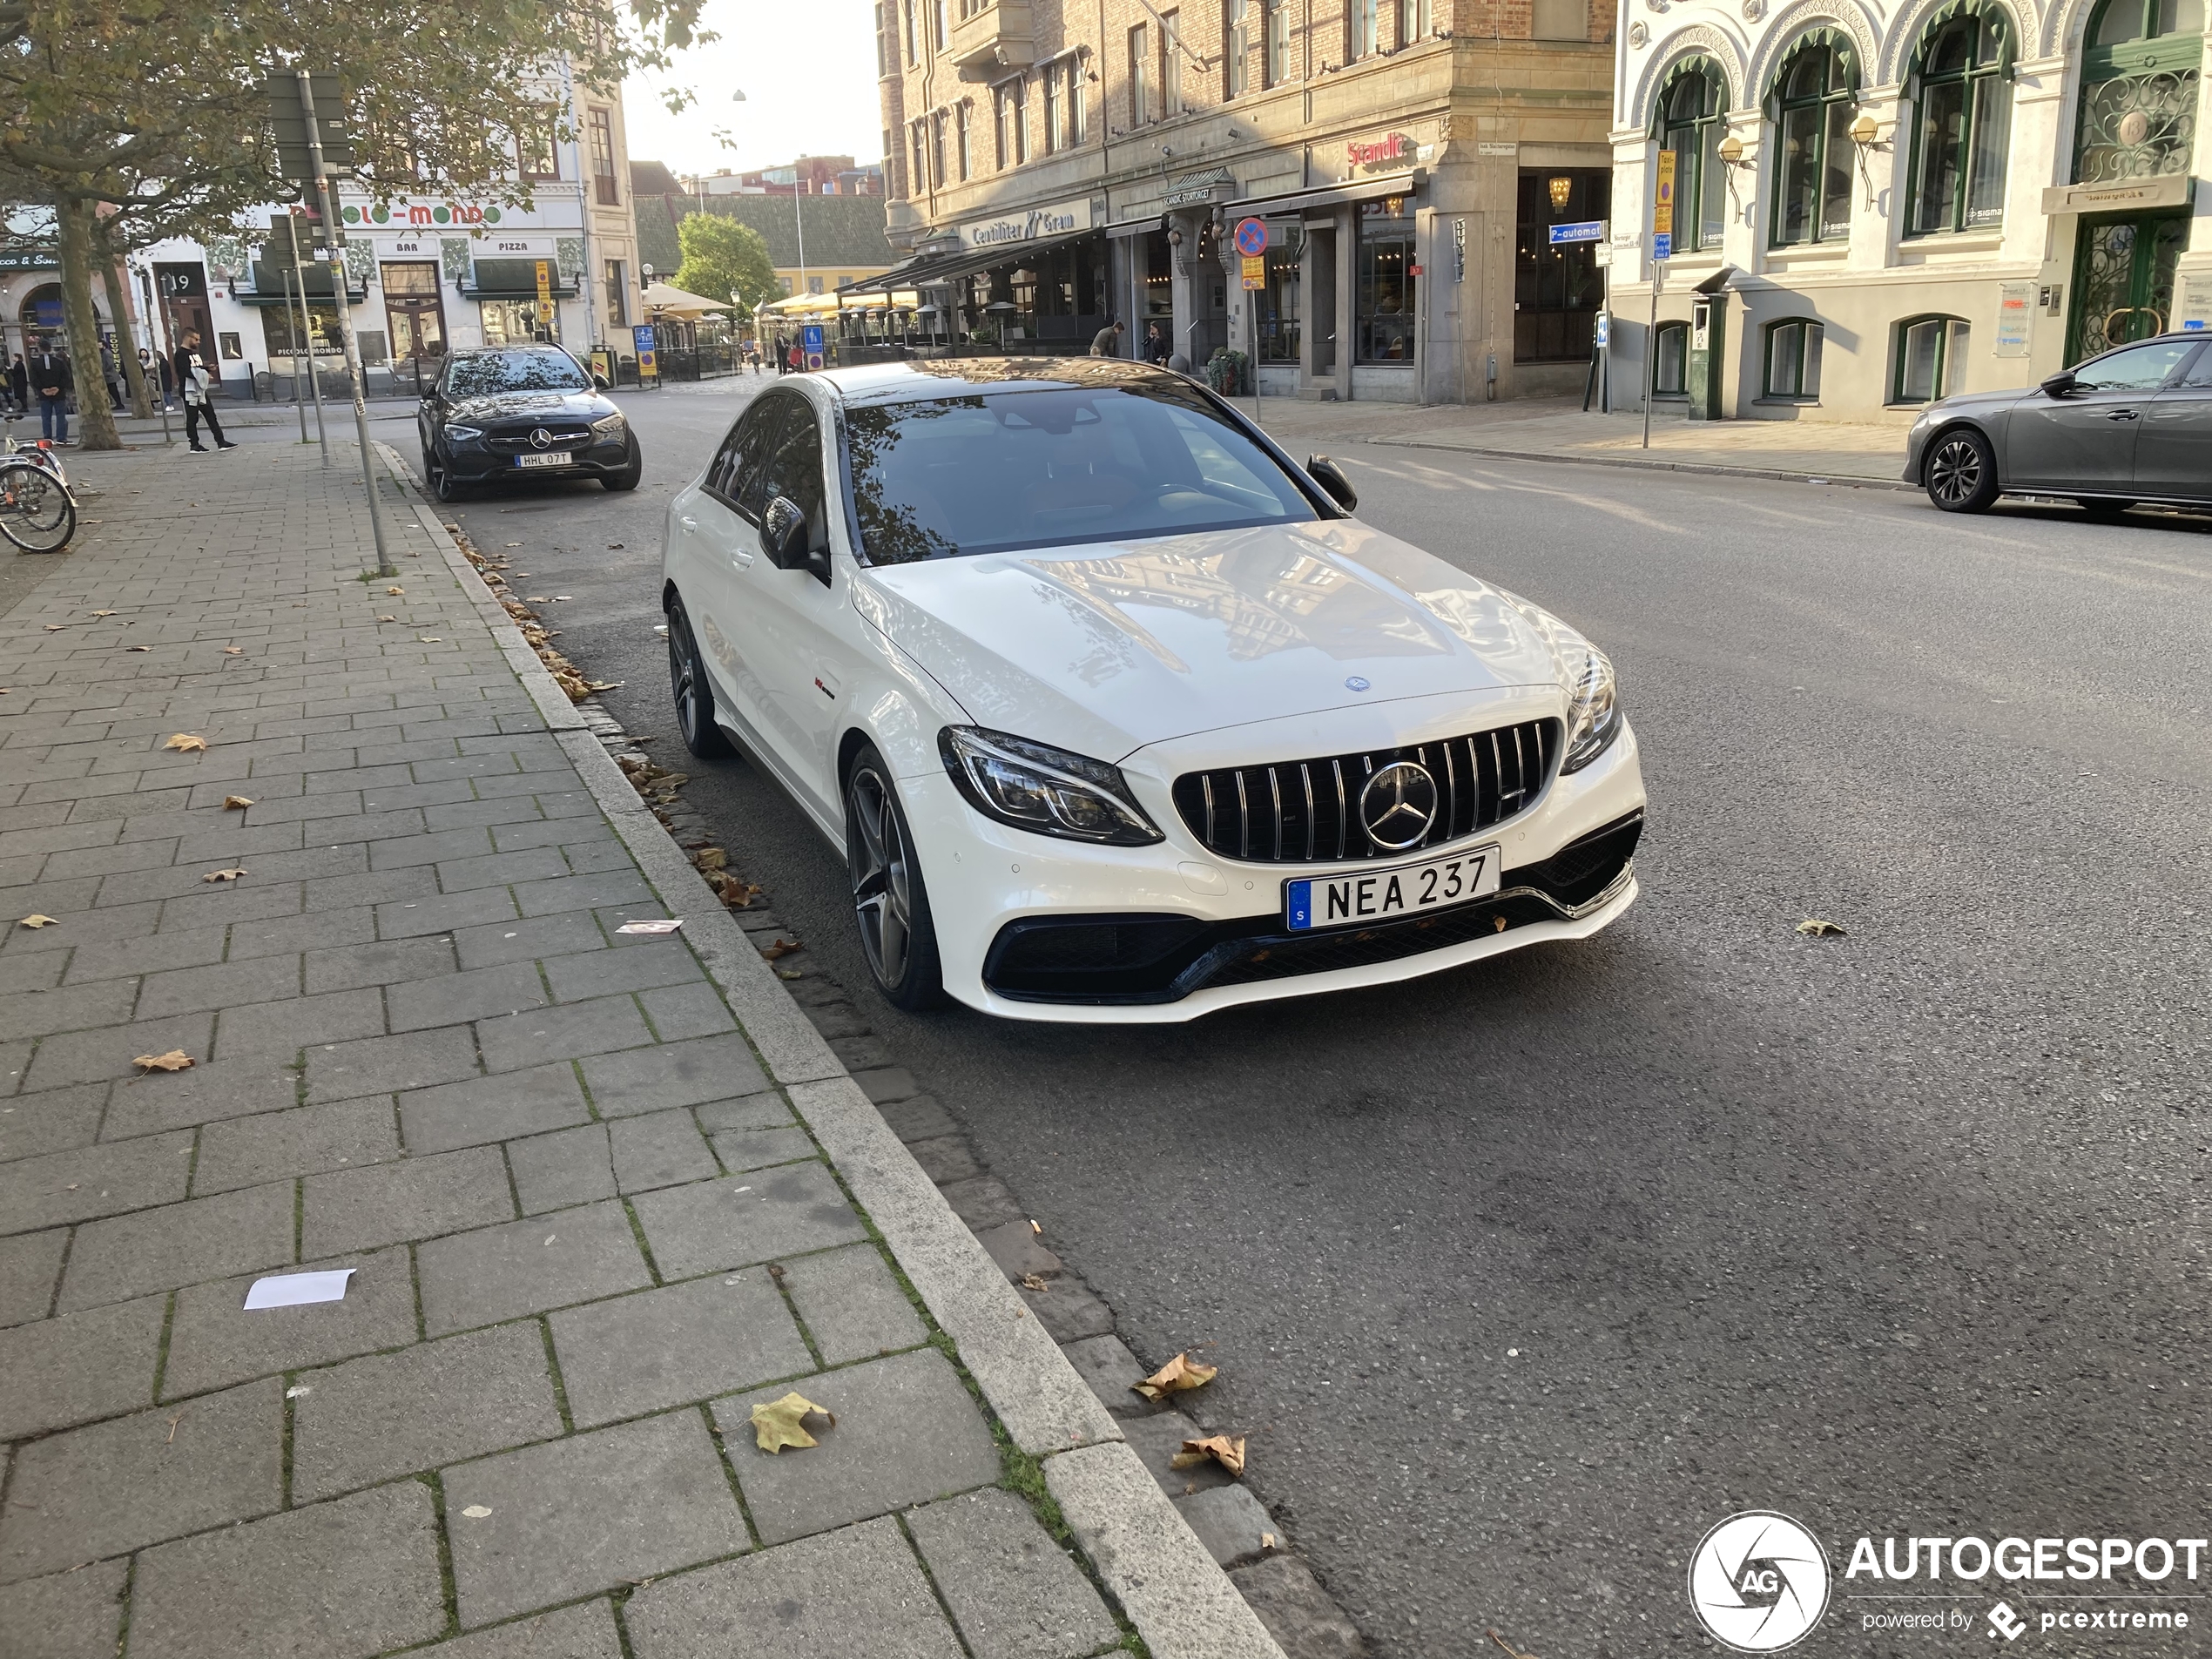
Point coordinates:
[(2060, 384)]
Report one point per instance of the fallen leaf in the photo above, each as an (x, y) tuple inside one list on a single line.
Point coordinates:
[(782, 948), (777, 1424), (237, 803), (475, 1512), (536, 598), (104, 613), (56, 627), (223, 875), (184, 743), (396, 589), (175, 1060), (1217, 1447), (428, 639), (35, 921), (1176, 1377), (233, 651), (1267, 1541), (387, 620), (1818, 929), (1032, 1281), (138, 648), (711, 858)]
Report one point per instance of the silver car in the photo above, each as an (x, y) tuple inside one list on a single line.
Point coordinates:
[(2133, 425)]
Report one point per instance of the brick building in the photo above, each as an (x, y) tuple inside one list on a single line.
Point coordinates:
[(1052, 165)]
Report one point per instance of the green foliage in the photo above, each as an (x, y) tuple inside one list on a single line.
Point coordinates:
[(725, 259), (1228, 372)]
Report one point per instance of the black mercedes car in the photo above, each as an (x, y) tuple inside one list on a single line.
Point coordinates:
[(522, 412)]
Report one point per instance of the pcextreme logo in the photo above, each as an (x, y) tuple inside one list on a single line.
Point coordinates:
[(1758, 1582)]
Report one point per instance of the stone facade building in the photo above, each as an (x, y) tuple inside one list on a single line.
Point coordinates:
[(1054, 165)]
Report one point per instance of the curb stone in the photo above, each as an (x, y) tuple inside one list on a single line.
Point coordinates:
[(1637, 463), (1182, 1603)]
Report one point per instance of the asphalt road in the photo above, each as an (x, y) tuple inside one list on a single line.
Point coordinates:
[(1522, 1276)]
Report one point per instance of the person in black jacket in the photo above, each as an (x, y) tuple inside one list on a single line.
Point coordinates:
[(192, 377), (51, 378), (19, 385)]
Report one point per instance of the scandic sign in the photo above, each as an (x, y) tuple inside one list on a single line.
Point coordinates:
[(1396, 147)]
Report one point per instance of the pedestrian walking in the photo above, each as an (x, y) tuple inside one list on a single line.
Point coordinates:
[(19, 385), (155, 372), (1106, 342), (111, 374), (51, 375), (192, 377)]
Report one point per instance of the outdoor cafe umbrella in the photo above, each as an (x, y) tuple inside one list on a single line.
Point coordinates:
[(662, 299)]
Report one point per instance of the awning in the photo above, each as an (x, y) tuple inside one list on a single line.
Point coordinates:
[(1836, 40), (515, 279), (663, 299), (281, 285)]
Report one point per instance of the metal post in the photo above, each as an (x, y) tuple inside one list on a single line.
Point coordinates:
[(1252, 308), (161, 363), (298, 394), (307, 347), (345, 321), (1650, 350), (799, 218)]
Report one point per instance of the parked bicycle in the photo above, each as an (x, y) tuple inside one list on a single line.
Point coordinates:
[(37, 509)]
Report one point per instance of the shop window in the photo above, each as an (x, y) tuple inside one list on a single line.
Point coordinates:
[(1558, 290), (1815, 97), (1931, 359), (1170, 62), (1139, 62), (1962, 95), (1384, 295), (1692, 121), (1559, 19), (1670, 361), (1363, 22), (281, 324), (1275, 61), (604, 185), (2140, 75), (517, 322), (1235, 74), (1793, 359), (1280, 306)]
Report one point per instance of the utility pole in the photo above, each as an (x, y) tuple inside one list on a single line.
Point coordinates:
[(334, 249)]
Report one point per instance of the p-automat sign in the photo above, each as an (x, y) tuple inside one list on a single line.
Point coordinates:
[(1060, 219)]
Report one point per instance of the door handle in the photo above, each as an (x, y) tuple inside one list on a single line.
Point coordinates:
[(2124, 414), (742, 559), (687, 521)]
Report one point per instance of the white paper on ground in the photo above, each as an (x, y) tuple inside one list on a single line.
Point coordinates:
[(649, 927), (294, 1290)]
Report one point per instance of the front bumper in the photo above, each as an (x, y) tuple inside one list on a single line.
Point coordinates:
[(476, 463), (1030, 928)]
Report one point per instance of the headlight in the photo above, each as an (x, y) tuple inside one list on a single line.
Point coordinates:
[(466, 434), (1034, 786), (609, 426), (1593, 716)]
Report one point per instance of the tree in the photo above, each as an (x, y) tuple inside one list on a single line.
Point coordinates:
[(725, 258)]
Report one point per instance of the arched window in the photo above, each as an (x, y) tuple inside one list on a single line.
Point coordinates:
[(1814, 96), (1931, 359), (1691, 121), (1962, 80), (2140, 63), (1670, 361), (1792, 367)]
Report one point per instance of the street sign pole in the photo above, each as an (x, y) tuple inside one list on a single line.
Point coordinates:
[(329, 201), (307, 346), (299, 397), (1250, 241), (1662, 249)]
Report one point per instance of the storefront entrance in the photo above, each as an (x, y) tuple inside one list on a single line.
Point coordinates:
[(2124, 282), (413, 308)]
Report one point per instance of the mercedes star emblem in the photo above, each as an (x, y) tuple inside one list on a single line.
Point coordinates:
[(541, 437), (1398, 806)]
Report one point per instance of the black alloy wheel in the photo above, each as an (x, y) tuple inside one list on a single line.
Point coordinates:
[(439, 477), (1961, 472), (2104, 511), (694, 693), (889, 902), (630, 475)]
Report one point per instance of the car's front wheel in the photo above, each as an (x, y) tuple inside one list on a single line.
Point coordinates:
[(694, 693), (1961, 472), (438, 475), (628, 477), (889, 899)]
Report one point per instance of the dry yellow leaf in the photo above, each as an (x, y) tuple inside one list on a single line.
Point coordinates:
[(777, 1424), (175, 1060), (1178, 1376), (396, 589), (184, 743), (387, 620), (223, 875), (710, 858), (1217, 1447), (233, 651), (56, 627), (36, 920), (781, 948), (104, 613), (1818, 929), (237, 802)]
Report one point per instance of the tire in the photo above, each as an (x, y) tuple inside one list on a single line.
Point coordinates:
[(36, 511), (628, 477), (2105, 512), (439, 477), (1961, 471), (693, 691), (890, 902)]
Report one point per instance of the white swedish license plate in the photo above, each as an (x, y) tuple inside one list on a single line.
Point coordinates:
[(551, 458), (1366, 896)]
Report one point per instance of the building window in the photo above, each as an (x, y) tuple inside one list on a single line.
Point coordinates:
[(1362, 21), (2139, 74), (813, 285), (1692, 123), (617, 280), (1140, 63), (604, 185), (937, 149), (1051, 80), (1078, 104), (1281, 312), (964, 147), (882, 44), (920, 157), (1413, 21), (1275, 58), (1383, 289), (1963, 119), (537, 156), (941, 19), (1559, 20), (1171, 62), (1236, 44), (1792, 360), (1814, 95), (515, 322), (1931, 359), (1558, 291), (1670, 361), (909, 6)]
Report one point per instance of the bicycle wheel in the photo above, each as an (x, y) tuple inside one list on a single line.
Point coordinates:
[(36, 512)]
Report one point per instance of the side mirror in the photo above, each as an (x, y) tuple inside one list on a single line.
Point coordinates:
[(2060, 384), (1325, 473), (600, 380), (783, 534)]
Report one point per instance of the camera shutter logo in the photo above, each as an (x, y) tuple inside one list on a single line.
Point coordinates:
[(1758, 1582)]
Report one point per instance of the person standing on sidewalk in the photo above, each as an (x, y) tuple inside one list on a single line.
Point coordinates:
[(197, 407), (19, 385), (51, 373), (1106, 342)]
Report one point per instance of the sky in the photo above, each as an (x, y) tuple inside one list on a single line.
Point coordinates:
[(808, 75)]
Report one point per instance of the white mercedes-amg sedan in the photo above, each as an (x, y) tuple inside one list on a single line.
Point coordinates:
[(1117, 712)]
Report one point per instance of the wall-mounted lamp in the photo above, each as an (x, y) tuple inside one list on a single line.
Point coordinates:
[(1864, 131), (1560, 189), (1732, 150)]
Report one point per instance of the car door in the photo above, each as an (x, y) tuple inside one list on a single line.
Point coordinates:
[(716, 536), (2086, 438), (2174, 455)]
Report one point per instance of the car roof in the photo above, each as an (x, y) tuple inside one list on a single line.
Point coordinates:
[(505, 351), (917, 381)]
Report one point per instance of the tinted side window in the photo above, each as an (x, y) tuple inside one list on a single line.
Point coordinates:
[(2200, 372), (2140, 368), (795, 471), (719, 470), (763, 436)]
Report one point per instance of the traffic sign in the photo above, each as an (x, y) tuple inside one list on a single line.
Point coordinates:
[(1662, 202), (1663, 246), (1255, 268), (1604, 329), (282, 90), (1588, 229), (810, 345), (545, 291), (642, 337), (1251, 237)]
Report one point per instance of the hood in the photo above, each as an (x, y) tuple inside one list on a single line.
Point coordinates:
[(1983, 403), (1103, 649), (532, 405)]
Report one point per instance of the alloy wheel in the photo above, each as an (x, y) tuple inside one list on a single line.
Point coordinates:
[(684, 684), (882, 884), (1954, 472)]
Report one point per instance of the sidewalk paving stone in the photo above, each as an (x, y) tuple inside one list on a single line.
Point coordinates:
[(214, 1342), (279, 1030), (380, 1065), (30, 1265), (742, 1219), (430, 1404), (673, 1073), (529, 1267), (567, 1031), (570, 1166), (270, 1146), (91, 1493), (1012, 1591), (746, 1115), (681, 1011), (400, 962), (853, 1307), (474, 993), (340, 1581), (179, 1244), (659, 1149), (906, 1431), (483, 1109), (99, 1363), (209, 1092), (415, 1198), (584, 1631), (87, 1057), (667, 1347), (56, 1119), (741, 1150), (587, 1513), (67, 1616)]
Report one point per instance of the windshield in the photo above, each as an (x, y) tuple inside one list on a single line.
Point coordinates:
[(1044, 467), (484, 373)]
